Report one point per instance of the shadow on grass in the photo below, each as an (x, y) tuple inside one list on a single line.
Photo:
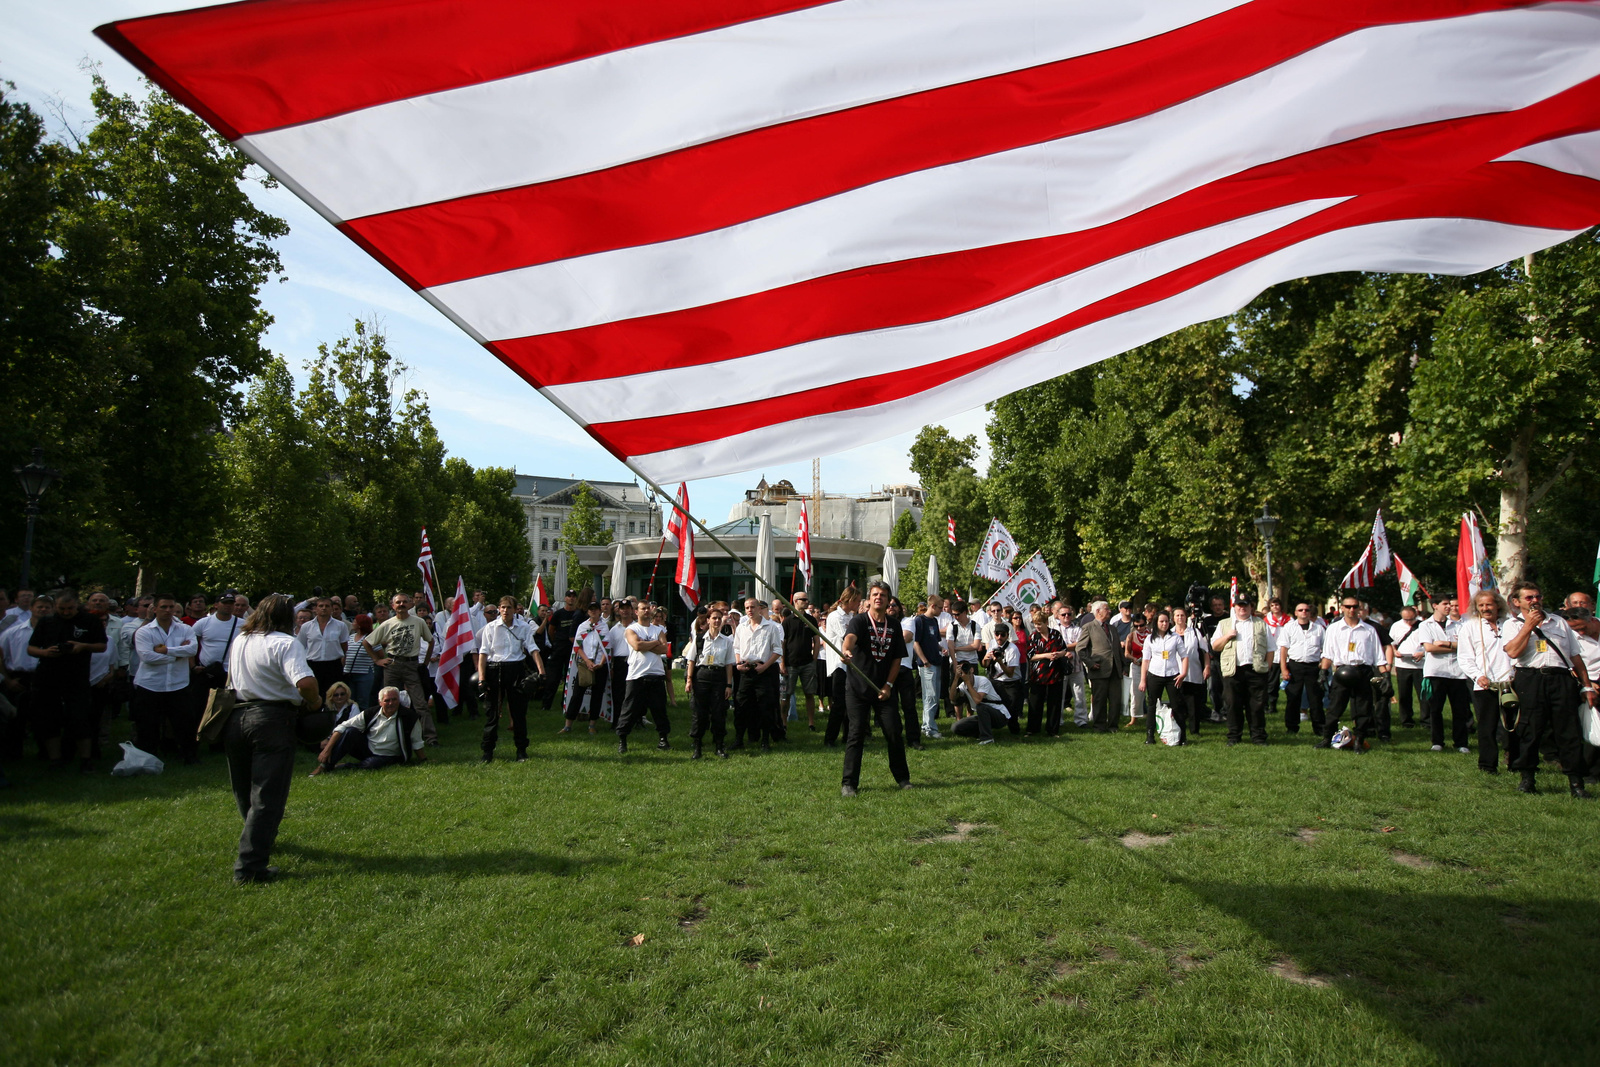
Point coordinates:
[(489, 862), (1477, 979), (16, 826)]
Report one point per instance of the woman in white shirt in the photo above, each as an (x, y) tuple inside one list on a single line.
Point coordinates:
[(1192, 677), (709, 685), (1160, 663), (1481, 656)]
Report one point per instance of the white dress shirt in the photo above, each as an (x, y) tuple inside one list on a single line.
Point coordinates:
[(1358, 645), (324, 642), (711, 652), (14, 648), (755, 644), (618, 637), (1541, 651), (383, 734), (1188, 648), (1481, 650), (1247, 633), (838, 621), (164, 672), (500, 643), (958, 634), (267, 667), (1407, 642), (1303, 644), (1440, 664), (1163, 653)]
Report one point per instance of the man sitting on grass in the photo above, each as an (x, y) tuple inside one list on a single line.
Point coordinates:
[(988, 710), (376, 737)]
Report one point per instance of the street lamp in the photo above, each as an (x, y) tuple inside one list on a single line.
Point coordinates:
[(1266, 526), (35, 478)]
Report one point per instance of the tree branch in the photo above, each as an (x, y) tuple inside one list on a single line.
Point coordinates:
[(1561, 468)]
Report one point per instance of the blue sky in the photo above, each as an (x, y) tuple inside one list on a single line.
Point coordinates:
[(484, 413)]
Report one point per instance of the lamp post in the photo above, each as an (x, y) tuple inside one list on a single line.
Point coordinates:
[(1266, 526), (35, 478)]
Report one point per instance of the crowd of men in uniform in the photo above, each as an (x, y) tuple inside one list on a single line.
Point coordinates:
[(1509, 674)]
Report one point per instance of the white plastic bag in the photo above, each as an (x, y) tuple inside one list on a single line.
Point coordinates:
[(1589, 724), (136, 761), (1167, 724)]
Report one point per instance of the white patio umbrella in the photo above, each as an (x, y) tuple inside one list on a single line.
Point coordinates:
[(891, 570), (933, 575), (619, 571), (766, 561), (561, 579)]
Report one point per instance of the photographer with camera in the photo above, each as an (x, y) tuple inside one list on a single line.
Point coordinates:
[(502, 661), (1547, 682)]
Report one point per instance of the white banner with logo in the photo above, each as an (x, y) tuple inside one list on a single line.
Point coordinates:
[(998, 553)]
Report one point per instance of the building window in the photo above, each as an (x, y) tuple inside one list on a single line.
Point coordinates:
[(544, 544), (544, 523), (544, 565), (631, 527), (555, 544), (613, 525), (558, 522)]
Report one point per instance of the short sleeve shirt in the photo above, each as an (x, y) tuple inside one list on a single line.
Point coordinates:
[(401, 638), (878, 646)]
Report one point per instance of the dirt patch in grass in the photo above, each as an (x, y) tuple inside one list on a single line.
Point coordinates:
[(1290, 971), (1306, 835), (1185, 962), (1415, 862), (1138, 839), (961, 831), (691, 918)]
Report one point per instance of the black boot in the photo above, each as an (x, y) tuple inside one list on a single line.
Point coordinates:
[(1575, 786), (694, 753), (1526, 785)]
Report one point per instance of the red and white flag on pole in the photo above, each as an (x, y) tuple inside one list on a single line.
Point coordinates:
[(1473, 572), (425, 565), (681, 532), (724, 235), (950, 528), (1233, 590), (1361, 575), (1375, 559), (457, 640), (802, 545), (540, 597)]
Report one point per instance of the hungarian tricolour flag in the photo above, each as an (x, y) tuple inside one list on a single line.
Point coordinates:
[(727, 234), (1410, 586)]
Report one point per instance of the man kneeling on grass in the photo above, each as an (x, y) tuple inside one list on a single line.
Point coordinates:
[(376, 737), (988, 709)]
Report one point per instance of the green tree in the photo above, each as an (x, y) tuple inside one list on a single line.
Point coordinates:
[(478, 532), (960, 495), (277, 534), (905, 528), (936, 455), (584, 525)]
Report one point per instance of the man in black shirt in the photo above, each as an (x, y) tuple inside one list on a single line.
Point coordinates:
[(63, 644), (562, 629), (799, 660), (874, 647)]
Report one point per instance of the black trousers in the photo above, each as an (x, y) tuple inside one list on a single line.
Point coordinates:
[(1408, 687), (859, 707), (1012, 695), (908, 695), (1492, 731), (1045, 698), (151, 709), (836, 706), (1155, 687), (327, 671), (557, 665), (61, 706), (1304, 678), (1194, 697), (980, 724), (1460, 696), (259, 741), (352, 744), (710, 707), (618, 678), (1548, 708), (1358, 695), (596, 691), (757, 704), (647, 696), (1246, 693), (504, 696), (1100, 690)]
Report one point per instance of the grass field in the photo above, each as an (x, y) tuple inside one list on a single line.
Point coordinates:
[(1288, 906)]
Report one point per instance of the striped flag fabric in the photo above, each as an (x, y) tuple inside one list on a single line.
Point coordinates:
[(1410, 585), (950, 528), (457, 641), (802, 545), (1382, 557), (540, 597), (1362, 575), (723, 234), (1233, 590), (681, 532), (425, 565), (1473, 572)]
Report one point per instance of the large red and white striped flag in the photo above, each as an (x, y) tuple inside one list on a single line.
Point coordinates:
[(722, 234), (950, 528), (429, 579), (457, 640), (681, 532), (802, 545)]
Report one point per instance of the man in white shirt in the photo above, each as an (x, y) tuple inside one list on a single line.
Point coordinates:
[(1481, 655), (1065, 620), (647, 680), (19, 672), (1351, 649), (591, 655), (1300, 665), (709, 683), (213, 632), (1548, 660), (165, 647), (1246, 652), (1405, 637), (326, 640), (503, 648), (1443, 678), (617, 637), (757, 644), (988, 709), (375, 738)]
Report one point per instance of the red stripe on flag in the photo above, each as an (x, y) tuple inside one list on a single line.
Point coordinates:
[(711, 186), (937, 287), (270, 63), (1511, 193)]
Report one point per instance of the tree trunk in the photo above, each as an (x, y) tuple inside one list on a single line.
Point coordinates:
[(1511, 544)]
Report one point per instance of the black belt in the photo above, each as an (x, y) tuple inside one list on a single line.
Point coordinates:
[(1543, 670)]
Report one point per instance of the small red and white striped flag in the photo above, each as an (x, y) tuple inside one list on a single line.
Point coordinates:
[(457, 639), (1233, 590), (425, 565), (681, 532), (802, 544), (725, 234), (1360, 576), (1375, 559), (950, 528)]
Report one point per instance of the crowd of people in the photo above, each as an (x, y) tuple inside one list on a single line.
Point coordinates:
[(362, 688)]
